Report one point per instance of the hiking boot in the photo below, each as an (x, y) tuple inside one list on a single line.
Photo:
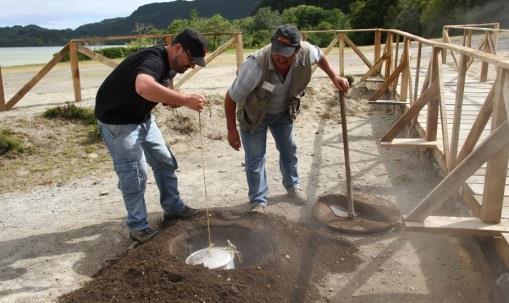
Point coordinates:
[(186, 213), (142, 236), (297, 195), (258, 208)]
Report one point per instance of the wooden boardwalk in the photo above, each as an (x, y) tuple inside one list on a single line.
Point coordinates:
[(475, 93)]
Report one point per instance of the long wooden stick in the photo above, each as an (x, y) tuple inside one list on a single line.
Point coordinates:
[(346, 150), (341, 37)]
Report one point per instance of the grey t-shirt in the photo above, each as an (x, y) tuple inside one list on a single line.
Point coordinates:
[(250, 74)]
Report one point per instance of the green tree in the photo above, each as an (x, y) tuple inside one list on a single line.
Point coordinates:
[(308, 17), (369, 14), (265, 21), (405, 15), (215, 24)]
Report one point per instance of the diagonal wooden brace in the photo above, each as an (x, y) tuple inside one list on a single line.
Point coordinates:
[(401, 67), (412, 112), (498, 140)]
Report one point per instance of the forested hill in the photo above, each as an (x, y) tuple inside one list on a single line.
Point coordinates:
[(258, 18), (281, 5), (156, 15), (160, 15)]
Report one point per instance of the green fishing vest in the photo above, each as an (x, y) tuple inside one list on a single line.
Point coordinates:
[(252, 110)]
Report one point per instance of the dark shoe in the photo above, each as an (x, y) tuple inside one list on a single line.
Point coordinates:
[(143, 235), (186, 213)]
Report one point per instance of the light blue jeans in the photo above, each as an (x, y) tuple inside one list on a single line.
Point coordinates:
[(255, 145), (131, 146)]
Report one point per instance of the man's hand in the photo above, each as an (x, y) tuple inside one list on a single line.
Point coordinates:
[(234, 139), (341, 84), (195, 102)]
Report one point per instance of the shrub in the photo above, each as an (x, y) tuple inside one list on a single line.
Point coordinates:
[(9, 142), (71, 112)]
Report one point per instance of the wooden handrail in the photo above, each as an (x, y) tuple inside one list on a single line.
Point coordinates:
[(149, 36)]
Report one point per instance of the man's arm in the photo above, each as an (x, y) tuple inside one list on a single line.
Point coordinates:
[(340, 82), (147, 87), (231, 123)]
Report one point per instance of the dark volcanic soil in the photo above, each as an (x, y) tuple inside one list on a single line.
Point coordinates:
[(282, 262)]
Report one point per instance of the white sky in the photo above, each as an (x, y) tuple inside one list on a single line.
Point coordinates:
[(61, 14)]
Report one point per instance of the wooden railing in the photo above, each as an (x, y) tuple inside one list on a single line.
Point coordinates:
[(394, 66), (488, 44), (76, 46)]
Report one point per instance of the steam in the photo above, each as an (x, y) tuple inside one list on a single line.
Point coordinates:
[(492, 11)]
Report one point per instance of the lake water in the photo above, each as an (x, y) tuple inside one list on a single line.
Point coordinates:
[(10, 56)]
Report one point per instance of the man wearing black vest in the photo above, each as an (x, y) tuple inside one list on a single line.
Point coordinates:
[(124, 103), (266, 96)]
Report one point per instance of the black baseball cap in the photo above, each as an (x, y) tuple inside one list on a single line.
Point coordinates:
[(285, 40), (193, 42)]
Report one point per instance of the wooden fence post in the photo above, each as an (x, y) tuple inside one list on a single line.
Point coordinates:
[(2, 95), (417, 71), (496, 168), (239, 49), (388, 52), (378, 42), (433, 105), (469, 38), (397, 52), (341, 37), (405, 79), (484, 65), (458, 106), (75, 71), (445, 39), (495, 38)]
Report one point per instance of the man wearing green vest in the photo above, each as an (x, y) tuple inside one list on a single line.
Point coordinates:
[(266, 96)]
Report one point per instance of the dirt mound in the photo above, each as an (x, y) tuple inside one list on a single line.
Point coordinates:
[(298, 258)]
